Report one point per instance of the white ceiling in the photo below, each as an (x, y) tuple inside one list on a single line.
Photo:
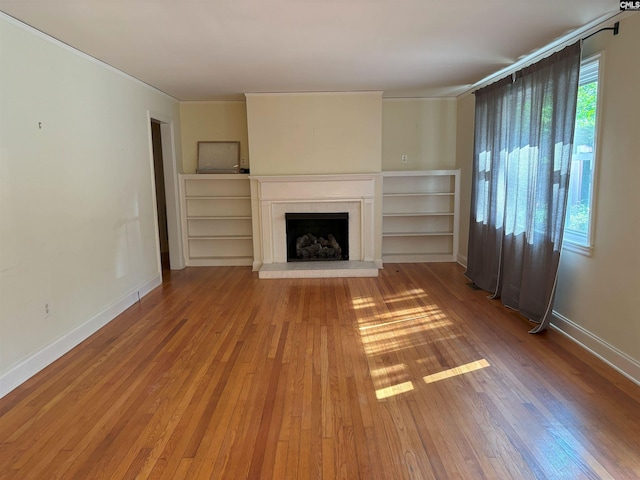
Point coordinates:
[(212, 49)]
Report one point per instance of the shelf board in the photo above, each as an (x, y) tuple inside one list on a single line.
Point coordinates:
[(413, 254), (418, 173), (215, 176), (417, 234), (220, 237), (214, 197), (418, 194), (244, 217), (418, 214), (220, 261), (220, 257)]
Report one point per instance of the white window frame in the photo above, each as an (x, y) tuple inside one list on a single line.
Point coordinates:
[(574, 241)]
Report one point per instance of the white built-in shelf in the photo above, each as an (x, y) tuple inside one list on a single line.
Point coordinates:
[(216, 213), (417, 234), (420, 216), (417, 194)]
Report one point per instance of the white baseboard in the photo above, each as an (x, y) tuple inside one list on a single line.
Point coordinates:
[(47, 355), (620, 361), (462, 260)]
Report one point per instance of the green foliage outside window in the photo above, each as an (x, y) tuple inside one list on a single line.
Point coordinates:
[(586, 114), (579, 217), (580, 189)]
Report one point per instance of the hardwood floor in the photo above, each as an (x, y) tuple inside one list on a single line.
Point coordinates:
[(217, 374)]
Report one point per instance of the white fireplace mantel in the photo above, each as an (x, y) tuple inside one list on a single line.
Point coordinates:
[(274, 196)]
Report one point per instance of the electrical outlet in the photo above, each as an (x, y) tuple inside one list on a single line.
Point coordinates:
[(243, 162), (404, 158), (47, 310)]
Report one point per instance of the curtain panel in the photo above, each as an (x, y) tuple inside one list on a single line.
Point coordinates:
[(523, 141)]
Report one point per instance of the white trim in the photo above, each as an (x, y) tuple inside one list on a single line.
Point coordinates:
[(418, 99), (346, 177), (572, 241), (299, 94), (210, 102), (618, 360), (569, 246), (462, 260), (419, 173), (597, 154), (274, 196), (171, 188), (75, 51), (52, 352)]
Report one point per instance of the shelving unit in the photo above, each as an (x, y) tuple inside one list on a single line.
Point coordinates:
[(420, 216), (216, 213)]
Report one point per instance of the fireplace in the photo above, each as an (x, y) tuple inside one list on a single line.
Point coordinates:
[(275, 197), (317, 236)]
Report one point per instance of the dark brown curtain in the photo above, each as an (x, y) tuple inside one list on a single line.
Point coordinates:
[(523, 141)]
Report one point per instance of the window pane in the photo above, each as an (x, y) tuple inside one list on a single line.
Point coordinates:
[(583, 158)]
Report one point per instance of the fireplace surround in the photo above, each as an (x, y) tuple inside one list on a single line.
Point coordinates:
[(275, 196)]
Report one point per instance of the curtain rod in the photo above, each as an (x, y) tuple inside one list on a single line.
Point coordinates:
[(615, 28), (556, 45)]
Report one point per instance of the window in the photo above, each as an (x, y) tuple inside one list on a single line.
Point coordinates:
[(579, 219)]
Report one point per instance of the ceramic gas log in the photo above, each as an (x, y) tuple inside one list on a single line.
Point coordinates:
[(310, 247), (317, 236)]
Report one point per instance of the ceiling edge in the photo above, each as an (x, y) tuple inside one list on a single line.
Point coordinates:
[(65, 46), (548, 49)]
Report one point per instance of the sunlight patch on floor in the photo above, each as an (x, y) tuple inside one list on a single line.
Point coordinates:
[(390, 326), (414, 313), (393, 390), (391, 322), (406, 295), (362, 302), (385, 329), (379, 375), (359, 303), (388, 370), (454, 372), (389, 375)]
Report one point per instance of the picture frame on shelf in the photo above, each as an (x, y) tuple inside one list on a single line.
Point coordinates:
[(218, 157)]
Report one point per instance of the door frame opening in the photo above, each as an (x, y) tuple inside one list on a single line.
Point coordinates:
[(167, 135)]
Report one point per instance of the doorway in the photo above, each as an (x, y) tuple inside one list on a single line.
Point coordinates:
[(161, 198), (165, 179)]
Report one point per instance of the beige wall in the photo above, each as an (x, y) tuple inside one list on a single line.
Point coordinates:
[(212, 121), (424, 129), (597, 295), (315, 133), (464, 161), (600, 293), (77, 215)]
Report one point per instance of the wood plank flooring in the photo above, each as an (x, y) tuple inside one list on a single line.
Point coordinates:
[(413, 375)]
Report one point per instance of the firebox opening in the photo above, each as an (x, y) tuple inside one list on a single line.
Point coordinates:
[(317, 236)]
